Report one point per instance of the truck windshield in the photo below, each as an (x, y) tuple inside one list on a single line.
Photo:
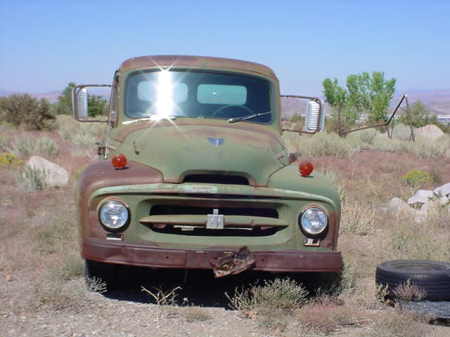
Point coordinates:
[(197, 94)]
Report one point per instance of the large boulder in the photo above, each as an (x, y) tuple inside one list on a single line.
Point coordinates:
[(421, 197), (443, 191), (431, 132), (55, 175), (397, 205)]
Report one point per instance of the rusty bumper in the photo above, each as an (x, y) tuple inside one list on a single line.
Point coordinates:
[(156, 257)]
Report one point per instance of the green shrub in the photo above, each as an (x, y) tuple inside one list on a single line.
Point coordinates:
[(26, 111), (9, 160), (47, 146), (326, 144), (32, 179), (284, 294), (83, 134), (27, 146), (417, 178)]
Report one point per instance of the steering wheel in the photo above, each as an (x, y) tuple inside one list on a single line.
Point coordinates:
[(231, 106)]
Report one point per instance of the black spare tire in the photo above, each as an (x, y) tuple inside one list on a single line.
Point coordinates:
[(431, 276)]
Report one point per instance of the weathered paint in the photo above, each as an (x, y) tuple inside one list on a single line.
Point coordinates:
[(161, 154), (196, 62)]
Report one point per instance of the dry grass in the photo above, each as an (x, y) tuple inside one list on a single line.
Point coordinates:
[(326, 317), (394, 323)]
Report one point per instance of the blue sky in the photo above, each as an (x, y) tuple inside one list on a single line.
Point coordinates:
[(45, 44)]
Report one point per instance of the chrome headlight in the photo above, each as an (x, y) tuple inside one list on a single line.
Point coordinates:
[(314, 221), (113, 215)]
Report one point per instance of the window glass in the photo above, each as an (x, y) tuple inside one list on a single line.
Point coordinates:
[(221, 94), (197, 94)]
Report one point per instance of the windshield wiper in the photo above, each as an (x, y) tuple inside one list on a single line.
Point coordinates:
[(244, 118)]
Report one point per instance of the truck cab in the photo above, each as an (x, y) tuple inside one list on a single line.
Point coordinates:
[(194, 174)]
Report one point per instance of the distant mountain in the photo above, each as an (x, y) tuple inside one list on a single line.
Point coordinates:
[(4, 92), (51, 96), (438, 101)]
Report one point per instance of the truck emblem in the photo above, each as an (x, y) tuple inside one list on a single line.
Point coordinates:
[(216, 141), (215, 220)]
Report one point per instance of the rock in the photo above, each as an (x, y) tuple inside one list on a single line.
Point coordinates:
[(55, 174), (431, 132), (443, 191), (421, 196), (444, 201), (397, 205)]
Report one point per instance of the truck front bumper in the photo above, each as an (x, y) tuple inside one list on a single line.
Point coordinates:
[(156, 257)]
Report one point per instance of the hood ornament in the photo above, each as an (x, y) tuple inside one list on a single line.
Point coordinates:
[(215, 141)]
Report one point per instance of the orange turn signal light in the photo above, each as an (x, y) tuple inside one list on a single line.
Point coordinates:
[(119, 162), (305, 168)]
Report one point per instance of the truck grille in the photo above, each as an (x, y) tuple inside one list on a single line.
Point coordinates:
[(188, 210), (192, 220)]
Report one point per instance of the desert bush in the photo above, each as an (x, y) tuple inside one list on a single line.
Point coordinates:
[(278, 294), (32, 179), (401, 132), (326, 144), (27, 146), (325, 317), (409, 292), (367, 136), (3, 142), (397, 324), (163, 296), (417, 178), (83, 134), (47, 146), (358, 218), (412, 240), (22, 146), (424, 148), (96, 285), (24, 110)]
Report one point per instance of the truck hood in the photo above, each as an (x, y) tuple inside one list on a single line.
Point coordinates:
[(180, 150)]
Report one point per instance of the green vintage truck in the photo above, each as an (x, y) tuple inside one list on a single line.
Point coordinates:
[(194, 175)]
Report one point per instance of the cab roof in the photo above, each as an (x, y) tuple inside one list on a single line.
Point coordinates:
[(196, 62)]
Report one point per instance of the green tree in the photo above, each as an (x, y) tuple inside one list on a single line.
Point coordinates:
[(27, 111), (365, 95), (416, 116), (337, 98), (370, 94), (96, 104), (64, 104)]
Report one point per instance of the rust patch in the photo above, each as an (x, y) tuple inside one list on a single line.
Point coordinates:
[(232, 264), (157, 257), (102, 174)]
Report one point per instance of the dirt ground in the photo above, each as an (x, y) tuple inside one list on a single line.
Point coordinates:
[(42, 290)]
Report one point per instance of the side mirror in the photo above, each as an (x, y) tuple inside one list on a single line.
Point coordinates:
[(80, 99), (82, 104), (314, 118), (314, 114)]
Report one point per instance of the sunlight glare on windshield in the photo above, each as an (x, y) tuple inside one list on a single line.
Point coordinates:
[(164, 105)]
